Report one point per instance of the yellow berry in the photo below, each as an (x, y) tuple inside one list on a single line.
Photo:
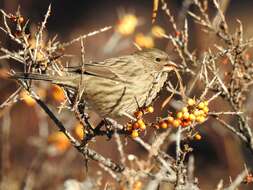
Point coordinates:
[(134, 133), (141, 124), (186, 115), (176, 123), (163, 125), (196, 113), (201, 113), (150, 109), (127, 24), (157, 31), (143, 127), (170, 119), (184, 109), (205, 103), (144, 41), (179, 115), (201, 105), (27, 98), (206, 109), (198, 137), (192, 117), (200, 119), (191, 102)]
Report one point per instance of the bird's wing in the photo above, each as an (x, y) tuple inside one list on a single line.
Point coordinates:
[(109, 69)]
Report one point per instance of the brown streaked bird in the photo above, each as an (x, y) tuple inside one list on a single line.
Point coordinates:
[(116, 86)]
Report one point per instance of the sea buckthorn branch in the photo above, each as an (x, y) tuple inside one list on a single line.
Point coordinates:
[(84, 150), (180, 41), (235, 45), (31, 62)]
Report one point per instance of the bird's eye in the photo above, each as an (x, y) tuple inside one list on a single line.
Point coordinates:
[(158, 59)]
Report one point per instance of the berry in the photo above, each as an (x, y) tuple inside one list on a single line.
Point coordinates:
[(134, 134), (170, 119), (201, 105), (198, 137), (186, 115), (179, 115), (191, 102), (184, 109), (192, 117), (176, 123), (163, 125), (150, 109), (138, 114)]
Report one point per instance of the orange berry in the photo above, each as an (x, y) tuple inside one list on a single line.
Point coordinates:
[(176, 123), (27, 98), (137, 185), (58, 93), (170, 119), (198, 137), (135, 125), (177, 33), (191, 102), (134, 133), (186, 123), (59, 141), (150, 109), (79, 131), (138, 114), (163, 125)]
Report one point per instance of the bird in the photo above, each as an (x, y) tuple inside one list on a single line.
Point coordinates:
[(118, 86)]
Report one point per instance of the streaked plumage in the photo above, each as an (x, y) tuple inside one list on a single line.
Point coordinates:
[(113, 86)]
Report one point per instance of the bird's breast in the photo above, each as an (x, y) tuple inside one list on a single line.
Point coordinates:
[(114, 98)]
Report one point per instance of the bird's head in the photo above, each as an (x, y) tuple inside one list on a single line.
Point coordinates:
[(157, 60)]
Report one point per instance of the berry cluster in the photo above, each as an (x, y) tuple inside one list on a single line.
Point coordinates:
[(192, 112), (139, 125)]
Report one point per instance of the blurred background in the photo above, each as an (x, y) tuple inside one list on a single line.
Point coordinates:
[(218, 155)]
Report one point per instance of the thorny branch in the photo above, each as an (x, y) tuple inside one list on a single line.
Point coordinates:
[(47, 58)]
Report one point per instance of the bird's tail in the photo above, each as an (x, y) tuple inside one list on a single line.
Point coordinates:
[(33, 76), (60, 80)]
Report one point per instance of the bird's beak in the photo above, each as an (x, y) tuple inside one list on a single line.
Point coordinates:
[(170, 66)]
